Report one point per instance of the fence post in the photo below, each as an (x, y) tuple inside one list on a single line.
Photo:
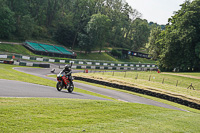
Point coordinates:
[(163, 80), (150, 78), (177, 83), (136, 76), (113, 74), (125, 75)]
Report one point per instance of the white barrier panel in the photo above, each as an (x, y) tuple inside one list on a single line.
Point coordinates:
[(110, 68), (26, 57), (143, 65), (83, 67), (125, 64), (73, 67), (80, 62), (89, 63), (118, 68), (29, 64), (153, 66), (105, 64), (39, 59), (101, 67), (148, 65), (131, 65), (137, 65), (119, 64), (112, 64), (62, 61), (71, 62), (93, 67), (97, 63), (3, 56), (51, 60), (16, 63), (132, 68), (125, 68)]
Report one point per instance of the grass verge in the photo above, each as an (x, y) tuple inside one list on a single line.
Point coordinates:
[(145, 96), (68, 115), (166, 88)]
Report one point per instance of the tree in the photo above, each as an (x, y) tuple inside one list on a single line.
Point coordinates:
[(98, 29), (26, 27), (139, 34), (154, 46), (7, 23), (181, 39), (65, 35)]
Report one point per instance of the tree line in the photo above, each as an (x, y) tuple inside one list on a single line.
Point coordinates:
[(86, 24), (178, 46)]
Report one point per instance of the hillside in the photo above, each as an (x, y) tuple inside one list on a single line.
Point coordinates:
[(19, 49)]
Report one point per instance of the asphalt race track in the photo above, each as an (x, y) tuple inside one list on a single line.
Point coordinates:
[(21, 89), (11, 88)]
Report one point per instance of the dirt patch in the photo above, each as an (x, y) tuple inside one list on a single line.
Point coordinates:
[(188, 76)]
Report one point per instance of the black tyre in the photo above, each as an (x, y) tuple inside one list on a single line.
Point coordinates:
[(71, 88), (59, 86)]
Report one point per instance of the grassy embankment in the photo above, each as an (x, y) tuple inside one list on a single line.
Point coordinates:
[(69, 115), (162, 83), (19, 49)]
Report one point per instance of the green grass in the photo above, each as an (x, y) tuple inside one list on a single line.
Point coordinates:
[(68, 115), (145, 96), (7, 72), (155, 83), (96, 56), (107, 57), (74, 115), (137, 60), (196, 74), (18, 49)]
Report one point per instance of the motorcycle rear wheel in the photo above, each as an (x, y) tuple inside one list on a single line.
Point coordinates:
[(59, 86)]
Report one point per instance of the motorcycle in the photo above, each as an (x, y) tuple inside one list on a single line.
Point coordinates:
[(63, 81)]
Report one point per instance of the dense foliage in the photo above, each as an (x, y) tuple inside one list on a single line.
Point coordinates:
[(178, 46), (86, 24)]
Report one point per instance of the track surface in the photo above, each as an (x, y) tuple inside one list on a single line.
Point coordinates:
[(21, 89), (111, 93)]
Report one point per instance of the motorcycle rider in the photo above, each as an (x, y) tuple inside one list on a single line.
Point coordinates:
[(67, 70)]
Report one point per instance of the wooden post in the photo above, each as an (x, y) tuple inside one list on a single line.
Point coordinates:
[(177, 83), (163, 80), (136, 76), (150, 78)]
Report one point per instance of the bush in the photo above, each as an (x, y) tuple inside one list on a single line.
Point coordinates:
[(116, 53)]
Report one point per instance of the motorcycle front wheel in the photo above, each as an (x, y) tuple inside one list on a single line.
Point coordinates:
[(71, 88), (59, 86)]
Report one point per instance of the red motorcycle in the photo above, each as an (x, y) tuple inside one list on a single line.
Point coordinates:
[(63, 81)]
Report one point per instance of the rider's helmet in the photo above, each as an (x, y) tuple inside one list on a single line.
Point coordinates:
[(67, 68)]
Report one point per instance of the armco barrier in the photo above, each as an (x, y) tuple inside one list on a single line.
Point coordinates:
[(6, 62), (31, 64), (44, 65), (141, 91), (85, 62)]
